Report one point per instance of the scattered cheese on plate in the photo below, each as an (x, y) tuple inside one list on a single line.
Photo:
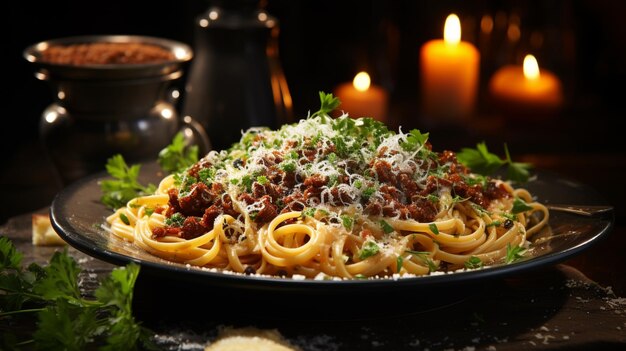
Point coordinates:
[(43, 233)]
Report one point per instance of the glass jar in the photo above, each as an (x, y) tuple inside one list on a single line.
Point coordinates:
[(236, 79), (100, 110)]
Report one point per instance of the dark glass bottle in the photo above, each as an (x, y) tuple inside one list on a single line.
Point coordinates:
[(236, 80)]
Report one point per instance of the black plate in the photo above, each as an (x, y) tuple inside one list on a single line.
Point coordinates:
[(76, 213)]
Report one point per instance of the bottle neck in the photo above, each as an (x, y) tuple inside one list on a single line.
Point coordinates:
[(236, 14)]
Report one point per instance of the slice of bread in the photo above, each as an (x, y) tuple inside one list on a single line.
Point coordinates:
[(43, 233)]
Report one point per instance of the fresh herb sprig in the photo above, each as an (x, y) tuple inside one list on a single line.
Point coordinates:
[(66, 319), (117, 192), (176, 157), (481, 161), (328, 104)]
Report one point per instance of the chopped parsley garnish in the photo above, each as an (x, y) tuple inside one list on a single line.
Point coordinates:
[(347, 222), (433, 228), (309, 212), (368, 192), (514, 253), (387, 228), (423, 256), (246, 181), (124, 219), (262, 180), (176, 220), (493, 224), (207, 175), (399, 262), (369, 249), (509, 216), (520, 206), (473, 263), (432, 198), (288, 166)]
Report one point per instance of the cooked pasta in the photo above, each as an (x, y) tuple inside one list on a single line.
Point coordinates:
[(326, 198)]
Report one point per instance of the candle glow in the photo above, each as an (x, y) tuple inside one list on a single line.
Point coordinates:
[(452, 30), (361, 98), (361, 81), (449, 70), (531, 67), (526, 91)]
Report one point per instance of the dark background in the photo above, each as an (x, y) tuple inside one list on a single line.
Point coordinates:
[(323, 43)]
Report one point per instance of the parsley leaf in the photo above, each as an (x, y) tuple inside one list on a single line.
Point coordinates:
[(328, 103), (175, 220), (520, 206), (414, 140), (175, 157), (473, 263), (514, 253), (369, 248), (517, 171), (347, 222), (481, 161), (433, 228), (387, 228), (61, 279), (65, 326), (9, 257), (117, 192), (423, 256), (117, 291), (68, 321)]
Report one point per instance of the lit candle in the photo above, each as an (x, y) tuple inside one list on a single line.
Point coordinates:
[(449, 72), (360, 98), (526, 90)]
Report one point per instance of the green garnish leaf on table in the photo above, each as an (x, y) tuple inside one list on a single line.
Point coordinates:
[(483, 162), (66, 319), (125, 187), (60, 279), (176, 157)]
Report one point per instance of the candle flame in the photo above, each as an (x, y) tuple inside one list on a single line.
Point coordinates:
[(361, 81), (452, 29), (531, 67)]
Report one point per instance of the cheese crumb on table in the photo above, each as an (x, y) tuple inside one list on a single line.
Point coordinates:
[(43, 233), (245, 339)]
